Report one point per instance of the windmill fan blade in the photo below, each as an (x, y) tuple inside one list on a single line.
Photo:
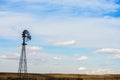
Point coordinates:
[(26, 35)]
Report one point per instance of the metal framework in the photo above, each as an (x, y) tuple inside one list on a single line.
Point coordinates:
[(22, 71)]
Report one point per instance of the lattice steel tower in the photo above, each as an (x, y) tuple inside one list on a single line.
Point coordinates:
[(22, 71)]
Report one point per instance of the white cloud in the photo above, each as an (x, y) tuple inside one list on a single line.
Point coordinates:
[(31, 53), (102, 71), (72, 42), (12, 23), (82, 58), (34, 48), (115, 57), (11, 56), (115, 53), (57, 58), (108, 50), (83, 32), (87, 32), (82, 68)]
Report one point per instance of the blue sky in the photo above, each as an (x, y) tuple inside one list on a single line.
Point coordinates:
[(68, 36)]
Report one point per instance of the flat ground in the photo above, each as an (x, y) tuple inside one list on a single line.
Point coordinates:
[(33, 76)]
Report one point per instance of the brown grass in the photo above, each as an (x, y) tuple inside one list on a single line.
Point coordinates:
[(14, 76)]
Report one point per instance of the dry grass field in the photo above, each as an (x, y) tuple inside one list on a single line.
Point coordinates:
[(13, 76)]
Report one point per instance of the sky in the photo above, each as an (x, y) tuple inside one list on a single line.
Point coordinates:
[(68, 36)]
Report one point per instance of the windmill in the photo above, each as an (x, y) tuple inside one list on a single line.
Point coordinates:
[(22, 71)]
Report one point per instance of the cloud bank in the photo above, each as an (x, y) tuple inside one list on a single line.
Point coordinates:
[(108, 51)]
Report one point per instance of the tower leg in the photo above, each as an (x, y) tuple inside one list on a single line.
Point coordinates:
[(22, 71)]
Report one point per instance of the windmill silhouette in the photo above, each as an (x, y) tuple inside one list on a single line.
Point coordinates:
[(22, 71)]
